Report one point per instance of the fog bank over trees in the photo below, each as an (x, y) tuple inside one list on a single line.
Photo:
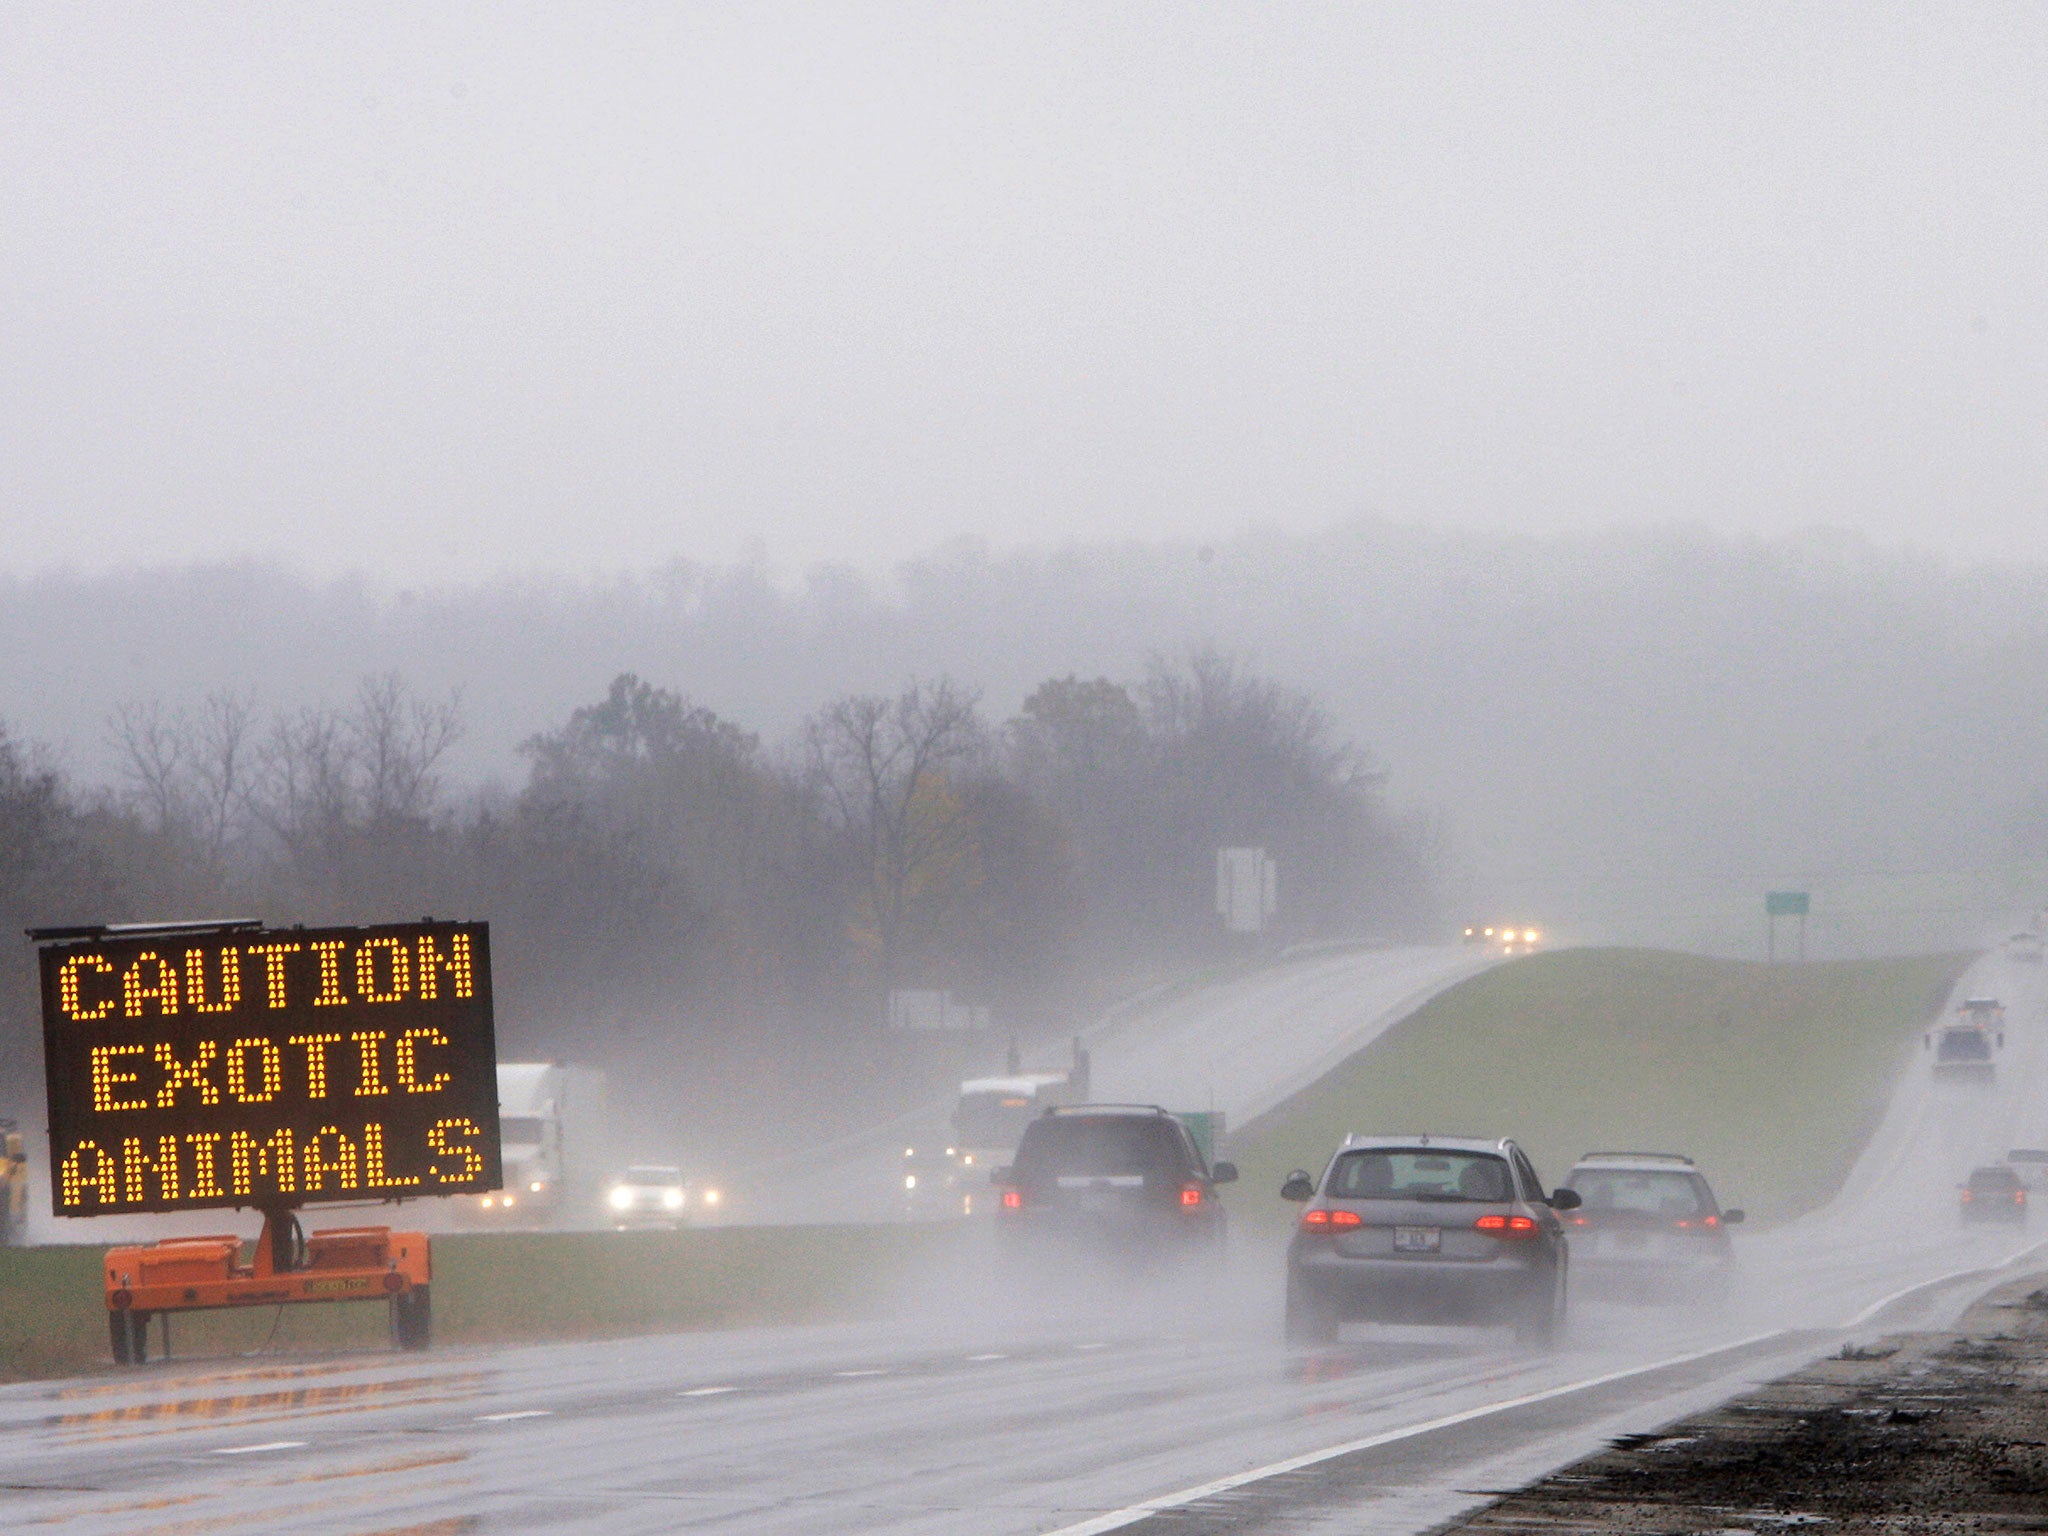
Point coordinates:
[(1622, 736), (719, 921)]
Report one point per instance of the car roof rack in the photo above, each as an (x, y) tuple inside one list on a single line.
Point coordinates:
[(1115, 1109), (1641, 1157)]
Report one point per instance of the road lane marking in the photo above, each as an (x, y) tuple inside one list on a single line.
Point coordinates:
[(979, 1359), (850, 1374), (1901, 1294), (268, 1445), (1131, 1514), (1091, 1346), (521, 1413), (706, 1391)]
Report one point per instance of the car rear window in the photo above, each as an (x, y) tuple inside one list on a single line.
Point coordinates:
[(1090, 1144), (1964, 1045), (1994, 1178), (1644, 1193), (1420, 1174)]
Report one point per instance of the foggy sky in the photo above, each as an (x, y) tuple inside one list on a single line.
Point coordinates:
[(439, 293)]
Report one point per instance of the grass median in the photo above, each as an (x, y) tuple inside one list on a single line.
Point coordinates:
[(1771, 1076), (507, 1286)]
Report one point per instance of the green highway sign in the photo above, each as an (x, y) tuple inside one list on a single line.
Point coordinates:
[(1785, 903)]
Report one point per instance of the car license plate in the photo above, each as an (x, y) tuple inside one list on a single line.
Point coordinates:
[(1418, 1239)]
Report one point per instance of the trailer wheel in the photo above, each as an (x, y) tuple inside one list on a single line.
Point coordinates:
[(412, 1318)]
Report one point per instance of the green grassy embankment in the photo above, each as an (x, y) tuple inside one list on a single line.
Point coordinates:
[(1770, 1076), (503, 1287)]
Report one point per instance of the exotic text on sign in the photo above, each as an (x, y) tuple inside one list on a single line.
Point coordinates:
[(265, 1067)]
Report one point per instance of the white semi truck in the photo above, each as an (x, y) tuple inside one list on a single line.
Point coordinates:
[(552, 1126)]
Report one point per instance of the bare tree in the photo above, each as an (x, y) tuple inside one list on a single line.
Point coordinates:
[(189, 777), (881, 768), (397, 743)]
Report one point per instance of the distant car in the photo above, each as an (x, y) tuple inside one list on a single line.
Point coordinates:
[(1426, 1229), (2024, 946), (648, 1195), (1508, 937), (1994, 1193), (932, 1183), (1648, 1228), (1117, 1181)]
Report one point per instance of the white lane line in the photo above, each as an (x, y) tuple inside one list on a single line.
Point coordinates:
[(1882, 1302), (978, 1359), (848, 1375), (706, 1391), (1091, 1346), (1131, 1514), (268, 1445), (1117, 1519), (523, 1413)]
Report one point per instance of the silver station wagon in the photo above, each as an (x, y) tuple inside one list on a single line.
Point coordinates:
[(1426, 1229)]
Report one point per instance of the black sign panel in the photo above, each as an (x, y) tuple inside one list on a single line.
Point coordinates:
[(262, 1067)]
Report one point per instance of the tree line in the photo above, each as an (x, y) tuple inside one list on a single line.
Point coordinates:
[(698, 910)]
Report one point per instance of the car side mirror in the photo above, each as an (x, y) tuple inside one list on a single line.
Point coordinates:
[(1732, 1218), (1002, 1178), (1299, 1187), (1565, 1200), (1223, 1173)]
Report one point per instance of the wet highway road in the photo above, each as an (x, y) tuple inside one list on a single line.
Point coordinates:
[(960, 1419)]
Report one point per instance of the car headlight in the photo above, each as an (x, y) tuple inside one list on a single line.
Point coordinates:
[(535, 1187), (508, 1202), (910, 1181), (672, 1198), (712, 1197), (621, 1197)]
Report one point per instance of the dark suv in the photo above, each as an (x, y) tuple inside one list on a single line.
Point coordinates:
[(1426, 1229), (1122, 1180), (1994, 1193)]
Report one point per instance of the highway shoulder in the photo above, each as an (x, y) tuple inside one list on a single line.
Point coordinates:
[(1933, 1432)]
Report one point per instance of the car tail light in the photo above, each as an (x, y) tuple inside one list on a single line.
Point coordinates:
[(1190, 1195), (1968, 1196), (1323, 1221), (1506, 1226), (2019, 1197), (1710, 1221), (1578, 1221), (1013, 1199)]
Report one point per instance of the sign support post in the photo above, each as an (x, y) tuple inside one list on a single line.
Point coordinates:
[(1779, 904)]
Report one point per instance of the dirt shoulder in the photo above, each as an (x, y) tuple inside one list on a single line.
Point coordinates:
[(1923, 1433)]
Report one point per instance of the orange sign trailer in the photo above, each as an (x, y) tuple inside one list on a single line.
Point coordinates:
[(190, 1274), (199, 1065)]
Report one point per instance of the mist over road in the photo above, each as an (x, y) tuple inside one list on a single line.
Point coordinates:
[(971, 1415)]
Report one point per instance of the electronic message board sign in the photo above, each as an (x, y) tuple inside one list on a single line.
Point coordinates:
[(268, 1067)]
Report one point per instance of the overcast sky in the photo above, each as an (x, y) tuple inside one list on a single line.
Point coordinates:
[(442, 292)]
